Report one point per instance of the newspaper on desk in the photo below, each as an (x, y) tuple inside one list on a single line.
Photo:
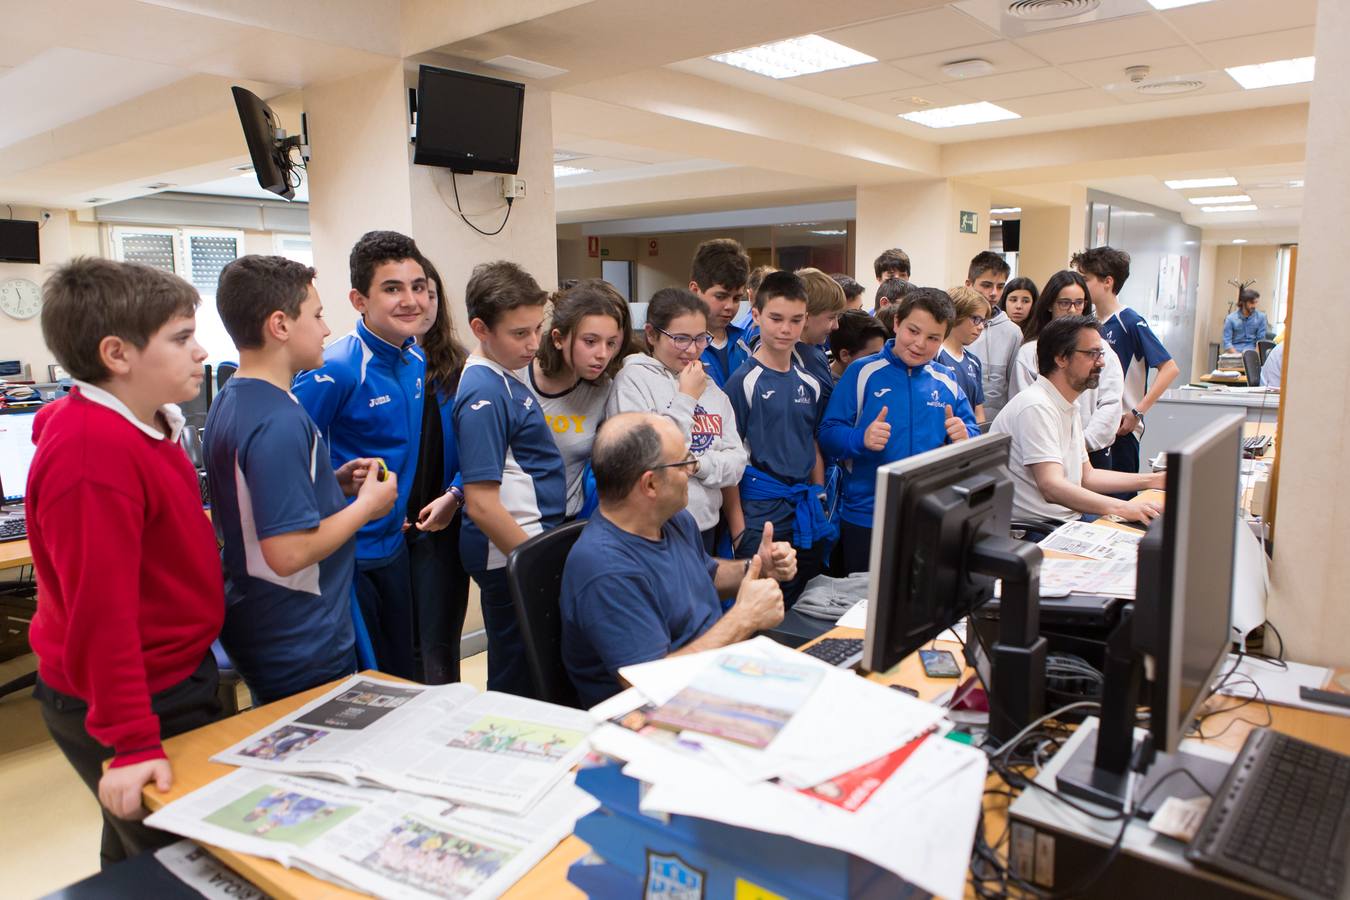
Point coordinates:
[(386, 843), (842, 762), (1094, 541), (449, 741), (1106, 577)]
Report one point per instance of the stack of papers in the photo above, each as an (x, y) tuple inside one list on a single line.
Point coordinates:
[(759, 736), (1094, 542), (398, 789), (1107, 577)]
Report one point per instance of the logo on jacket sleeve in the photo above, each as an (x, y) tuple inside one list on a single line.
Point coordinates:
[(319, 379), (479, 405), (707, 428)]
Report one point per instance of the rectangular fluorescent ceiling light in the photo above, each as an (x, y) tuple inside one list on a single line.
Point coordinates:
[(1298, 182), (1239, 240), (803, 55), (831, 232), (1229, 198), (965, 114), (1245, 207), (1173, 4), (1183, 184), (565, 171), (1274, 74), (1005, 210)]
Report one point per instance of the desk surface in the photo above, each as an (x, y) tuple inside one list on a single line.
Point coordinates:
[(14, 554), (190, 754)]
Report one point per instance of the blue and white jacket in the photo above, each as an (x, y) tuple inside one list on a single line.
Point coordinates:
[(367, 401), (915, 399), (721, 364)]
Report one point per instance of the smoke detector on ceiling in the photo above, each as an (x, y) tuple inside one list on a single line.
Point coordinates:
[(1042, 10), (967, 68)]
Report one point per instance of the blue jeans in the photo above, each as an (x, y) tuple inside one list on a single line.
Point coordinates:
[(384, 591), (508, 670)]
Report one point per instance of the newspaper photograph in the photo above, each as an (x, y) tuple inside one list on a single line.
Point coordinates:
[(386, 843), (1094, 541)]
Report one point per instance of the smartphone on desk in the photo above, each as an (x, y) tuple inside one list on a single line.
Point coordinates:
[(939, 664)]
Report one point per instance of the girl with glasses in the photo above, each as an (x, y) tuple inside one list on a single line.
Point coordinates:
[(972, 310), (1066, 294), (670, 380)]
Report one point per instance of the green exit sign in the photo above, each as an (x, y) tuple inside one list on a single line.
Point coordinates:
[(970, 221)]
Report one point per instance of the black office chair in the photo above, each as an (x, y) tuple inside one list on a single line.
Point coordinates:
[(224, 372), (1251, 364), (534, 572), (1264, 348), (1034, 529), (985, 426)]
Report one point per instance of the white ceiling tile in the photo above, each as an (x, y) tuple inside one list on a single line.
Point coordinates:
[(870, 78), (1084, 42), (1237, 18), (1243, 51), (1005, 56), (1162, 63), (1027, 83), (893, 38), (900, 102), (1063, 102)]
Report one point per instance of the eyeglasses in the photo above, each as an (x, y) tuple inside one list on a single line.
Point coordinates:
[(1069, 304), (977, 321), (1097, 354), (682, 341), (689, 460)]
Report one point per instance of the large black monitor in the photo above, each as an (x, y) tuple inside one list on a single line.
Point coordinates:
[(939, 539), (19, 241), (468, 123), (267, 148), (1177, 634)]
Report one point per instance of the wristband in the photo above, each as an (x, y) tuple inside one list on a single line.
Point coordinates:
[(455, 492), (1137, 414)]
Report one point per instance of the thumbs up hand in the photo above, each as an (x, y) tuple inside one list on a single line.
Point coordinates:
[(777, 560), (878, 433), (956, 426)]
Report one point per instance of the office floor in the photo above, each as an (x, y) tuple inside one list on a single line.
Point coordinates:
[(50, 828)]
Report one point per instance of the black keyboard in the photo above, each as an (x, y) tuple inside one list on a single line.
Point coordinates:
[(842, 652), (1282, 818), (1256, 445), (13, 530)]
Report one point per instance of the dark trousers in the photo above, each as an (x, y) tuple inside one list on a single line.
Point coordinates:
[(440, 588), (810, 562), (856, 544), (1125, 454), (384, 591), (189, 704), (1101, 459), (508, 671)]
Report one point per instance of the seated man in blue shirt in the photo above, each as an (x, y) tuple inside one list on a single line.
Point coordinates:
[(1245, 325), (638, 585)]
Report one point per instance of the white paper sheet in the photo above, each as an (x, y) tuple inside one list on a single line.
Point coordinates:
[(1093, 541), (1107, 577), (1279, 686)]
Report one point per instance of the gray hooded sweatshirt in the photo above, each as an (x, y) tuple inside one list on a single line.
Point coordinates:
[(644, 384), (997, 348)]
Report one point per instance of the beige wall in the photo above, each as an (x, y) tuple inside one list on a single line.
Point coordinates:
[(59, 240), (922, 218), (1044, 239), (1311, 568)]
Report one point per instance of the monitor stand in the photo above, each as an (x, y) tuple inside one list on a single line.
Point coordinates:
[(1100, 770), (1017, 694)]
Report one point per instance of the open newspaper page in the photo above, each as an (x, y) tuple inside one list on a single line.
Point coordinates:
[(386, 843), (1094, 541), (331, 736), (496, 750)]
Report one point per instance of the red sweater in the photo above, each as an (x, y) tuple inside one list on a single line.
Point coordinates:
[(130, 594)]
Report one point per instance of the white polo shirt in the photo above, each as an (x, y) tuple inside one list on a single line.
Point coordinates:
[(1044, 427)]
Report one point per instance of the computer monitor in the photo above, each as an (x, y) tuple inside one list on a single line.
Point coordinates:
[(1179, 630), (468, 123), (195, 410), (939, 539), (267, 151), (16, 453)]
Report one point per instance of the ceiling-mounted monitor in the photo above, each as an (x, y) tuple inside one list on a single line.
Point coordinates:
[(19, 241), (468, 123), (268, 146)]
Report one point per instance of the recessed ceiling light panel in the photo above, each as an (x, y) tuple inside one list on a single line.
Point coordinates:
[(964, 114), (1274, 74), (1227, 198), (566, 171), (1005, 211), (803, 55), (1245, 207), (1173, 4), (1184, 184)]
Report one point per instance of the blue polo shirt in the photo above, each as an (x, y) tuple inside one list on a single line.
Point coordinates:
[(270, 474), (504, 437), (1138, 350), (969, 373), (627, 600)]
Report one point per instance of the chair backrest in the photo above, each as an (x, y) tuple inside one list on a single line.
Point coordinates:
[(1264, 348), (1251, 363), (534, 572), (986, 425)]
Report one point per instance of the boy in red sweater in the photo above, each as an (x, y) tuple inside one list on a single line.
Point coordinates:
[(130, 595)]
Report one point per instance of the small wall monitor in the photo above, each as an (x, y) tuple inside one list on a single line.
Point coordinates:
[(19, 241), (266, 150), (468, 123)]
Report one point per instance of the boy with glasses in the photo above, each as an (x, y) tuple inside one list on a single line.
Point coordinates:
[(972, 312), (997, 345), (1052, 475), (1105, 270)]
